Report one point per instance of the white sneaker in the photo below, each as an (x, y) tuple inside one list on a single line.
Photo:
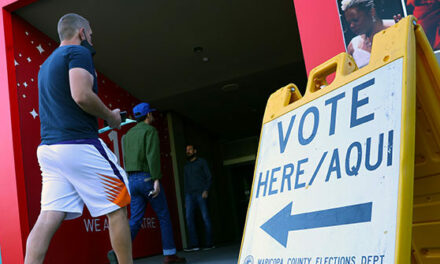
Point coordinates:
[(191, 249)]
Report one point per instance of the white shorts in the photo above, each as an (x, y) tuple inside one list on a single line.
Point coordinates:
[(81, 172)]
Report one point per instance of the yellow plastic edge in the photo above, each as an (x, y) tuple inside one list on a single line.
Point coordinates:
[(407, 145), (428, 84)]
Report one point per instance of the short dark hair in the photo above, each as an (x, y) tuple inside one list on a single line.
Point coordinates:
[(141, 118), (69, 24)]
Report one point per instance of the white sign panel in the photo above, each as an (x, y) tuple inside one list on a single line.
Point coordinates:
[(325, 188)]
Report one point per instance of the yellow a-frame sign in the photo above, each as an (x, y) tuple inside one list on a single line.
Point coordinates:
[(336, 168)]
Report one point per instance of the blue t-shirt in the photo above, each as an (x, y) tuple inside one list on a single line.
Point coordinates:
[(61, 118)]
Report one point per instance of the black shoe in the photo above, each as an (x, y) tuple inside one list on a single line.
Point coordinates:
[(208, 247), (112, 257), (191, 249)]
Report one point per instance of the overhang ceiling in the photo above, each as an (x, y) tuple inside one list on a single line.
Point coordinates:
[(148, 48)]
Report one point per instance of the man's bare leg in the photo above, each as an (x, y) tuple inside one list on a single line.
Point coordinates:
[(120, 235), (39, 239)]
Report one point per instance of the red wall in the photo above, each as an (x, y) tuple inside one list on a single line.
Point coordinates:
[(83, 240), (320, 31), (13, 222)]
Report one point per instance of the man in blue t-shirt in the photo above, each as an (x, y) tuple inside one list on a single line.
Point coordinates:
[(77, 167)]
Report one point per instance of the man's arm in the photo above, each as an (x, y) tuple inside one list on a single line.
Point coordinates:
[(81, 89), (185, 177), (208, 179), (152, 152)]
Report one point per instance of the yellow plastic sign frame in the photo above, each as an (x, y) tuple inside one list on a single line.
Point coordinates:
[(405, 40)]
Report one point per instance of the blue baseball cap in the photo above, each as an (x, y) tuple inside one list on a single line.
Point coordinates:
[(142, 109)]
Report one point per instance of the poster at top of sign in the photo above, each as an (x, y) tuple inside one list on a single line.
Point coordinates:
[(325, 189), (362, 19)]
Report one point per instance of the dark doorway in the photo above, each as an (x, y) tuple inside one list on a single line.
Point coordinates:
[(242, 175)]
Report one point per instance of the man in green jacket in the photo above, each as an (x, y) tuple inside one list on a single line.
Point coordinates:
[(142, 163)]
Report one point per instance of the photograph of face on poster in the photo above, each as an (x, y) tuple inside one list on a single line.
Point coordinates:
[(362, 19)]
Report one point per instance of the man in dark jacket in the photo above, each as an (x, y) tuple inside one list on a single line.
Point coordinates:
[(197, 182)]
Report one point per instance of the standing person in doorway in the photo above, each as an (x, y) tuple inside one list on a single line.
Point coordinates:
[(197, 183), (142, 162), (77, 167)]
